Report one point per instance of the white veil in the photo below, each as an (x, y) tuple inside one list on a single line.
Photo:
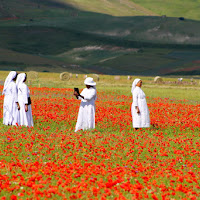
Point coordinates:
[(134, 84), (9, 78), (20, 79)]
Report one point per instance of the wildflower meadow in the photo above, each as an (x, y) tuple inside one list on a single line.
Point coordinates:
[(113, 161)]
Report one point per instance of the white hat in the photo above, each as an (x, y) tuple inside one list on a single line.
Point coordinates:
[(89, 81)]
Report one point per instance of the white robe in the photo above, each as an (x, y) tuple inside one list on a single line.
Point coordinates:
[(142, 119), (10, 110), (25, 117), (86, 115)]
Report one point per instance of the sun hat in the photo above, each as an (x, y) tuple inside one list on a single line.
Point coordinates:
[(89, 81)]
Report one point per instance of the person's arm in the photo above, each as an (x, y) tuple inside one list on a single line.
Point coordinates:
[(15, 95), (80, 96), (77, 95), (89, 95), (24, 90), (135, 101), (137, 108)]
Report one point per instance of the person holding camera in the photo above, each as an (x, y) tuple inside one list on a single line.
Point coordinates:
[(86, 114)]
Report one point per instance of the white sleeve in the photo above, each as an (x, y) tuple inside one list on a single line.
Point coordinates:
[(135, 98), (14, 92), (90, 94), (82, 93), (24, 91)]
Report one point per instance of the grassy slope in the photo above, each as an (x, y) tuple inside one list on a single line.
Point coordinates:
[(176, 8), (54, 31), (111, 7)]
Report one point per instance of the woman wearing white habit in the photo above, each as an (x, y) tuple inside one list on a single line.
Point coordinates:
[(139, 109), (86, 115), (10, 106), (26, 118)]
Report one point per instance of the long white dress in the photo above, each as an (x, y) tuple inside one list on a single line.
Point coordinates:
[(142, 119), (10, 110), (23, 94), (86, 114)]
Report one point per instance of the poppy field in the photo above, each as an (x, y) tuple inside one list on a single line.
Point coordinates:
[(113, 161)]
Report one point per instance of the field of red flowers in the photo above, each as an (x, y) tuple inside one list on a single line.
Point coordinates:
[(113, 161)]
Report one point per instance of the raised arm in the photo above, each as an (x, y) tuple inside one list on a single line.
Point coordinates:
[(88, 95)]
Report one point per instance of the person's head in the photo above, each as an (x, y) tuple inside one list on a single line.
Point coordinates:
[(89, 82), (14, 79), (25, 77), (21, 78), (136, 83), (139, 84), (88, 86), (11, 77)]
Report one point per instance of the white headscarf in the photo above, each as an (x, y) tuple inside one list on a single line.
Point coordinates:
[(8, 80), (20, 79), (135, 82)]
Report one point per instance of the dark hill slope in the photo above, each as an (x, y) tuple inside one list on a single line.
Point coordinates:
[(177, 8), (65, 38)]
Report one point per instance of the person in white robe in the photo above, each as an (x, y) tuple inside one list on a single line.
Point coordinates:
[(10, 106), (139, 108), (26, 118), (86, 114)]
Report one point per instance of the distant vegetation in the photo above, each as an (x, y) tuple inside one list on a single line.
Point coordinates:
[(115, 8), (62, 35), (177, 8)]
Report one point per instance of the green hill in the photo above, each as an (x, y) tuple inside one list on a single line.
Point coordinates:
[(111, 7), (177, 8), (57, 36), (24, 8)]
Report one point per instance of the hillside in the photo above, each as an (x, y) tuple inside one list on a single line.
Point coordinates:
[(24, 8), (57, 36), (115, 8), (177, 8)]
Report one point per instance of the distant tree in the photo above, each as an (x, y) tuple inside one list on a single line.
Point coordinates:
[(181, 18)]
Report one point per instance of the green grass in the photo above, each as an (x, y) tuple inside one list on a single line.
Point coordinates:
[(47, 158), (167, 89), (111, 7), (176, 8)]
